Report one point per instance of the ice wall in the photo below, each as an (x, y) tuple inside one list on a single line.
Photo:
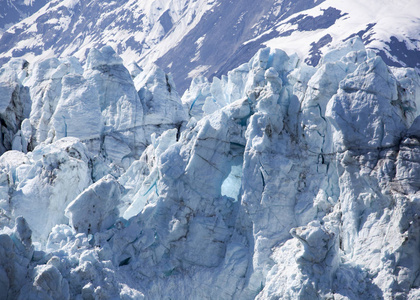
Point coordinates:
[(287, 182), (15, 105), (100, 105)]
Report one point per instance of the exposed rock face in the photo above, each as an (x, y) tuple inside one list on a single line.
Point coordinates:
[(288, 181)]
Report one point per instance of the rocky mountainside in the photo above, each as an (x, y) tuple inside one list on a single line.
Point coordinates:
[(13, 11), (277, 181), (210, 37)]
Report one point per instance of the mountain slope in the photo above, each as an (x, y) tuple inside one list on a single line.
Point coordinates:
[(13, 11), (190, 38), (389, 28), (71, 27)]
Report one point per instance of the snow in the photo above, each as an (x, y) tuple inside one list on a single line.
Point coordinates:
[(389, 19), (197, 71), (176, 33)]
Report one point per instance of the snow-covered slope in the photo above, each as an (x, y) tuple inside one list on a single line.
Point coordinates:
[(279, 181), (189, 38), (391, 28), (13, 11), (72, 27)]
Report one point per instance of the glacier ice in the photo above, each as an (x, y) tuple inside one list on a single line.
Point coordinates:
[(100, 105), (14, 103), (276, 181), (95, 209), (44, 181)]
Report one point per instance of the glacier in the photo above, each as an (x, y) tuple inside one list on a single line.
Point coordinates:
[(279, 180)]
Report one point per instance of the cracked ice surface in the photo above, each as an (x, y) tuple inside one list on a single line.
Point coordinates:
[(279, 180)]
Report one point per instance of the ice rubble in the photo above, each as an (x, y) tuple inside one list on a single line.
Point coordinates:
[(288, 182)]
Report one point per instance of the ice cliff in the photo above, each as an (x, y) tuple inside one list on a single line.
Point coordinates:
[(277, 181)]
